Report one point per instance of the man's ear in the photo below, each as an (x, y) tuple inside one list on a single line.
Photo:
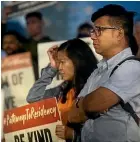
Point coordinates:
[(120, 34)]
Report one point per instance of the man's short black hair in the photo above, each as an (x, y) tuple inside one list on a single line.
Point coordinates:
[(18, 36), (119, 17), (34, 14), (85, 25)]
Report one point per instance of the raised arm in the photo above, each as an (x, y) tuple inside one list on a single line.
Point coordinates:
[(38, 92)]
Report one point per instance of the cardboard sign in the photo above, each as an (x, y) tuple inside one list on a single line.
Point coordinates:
[(32, 123), (17, 79)]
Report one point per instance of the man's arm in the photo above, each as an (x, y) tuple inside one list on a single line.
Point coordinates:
[(100, 100), (96, 102), (122, 85), (38, 92)]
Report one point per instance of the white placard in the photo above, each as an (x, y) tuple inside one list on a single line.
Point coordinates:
[(17, 79)]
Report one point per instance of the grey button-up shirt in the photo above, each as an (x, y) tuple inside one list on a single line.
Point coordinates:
[(116, 125)]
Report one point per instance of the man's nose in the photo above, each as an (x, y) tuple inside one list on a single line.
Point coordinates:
[(93, 36)]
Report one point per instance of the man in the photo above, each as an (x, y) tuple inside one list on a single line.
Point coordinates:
[(13, 43), (35, 26), (103, 94), (137, 34)]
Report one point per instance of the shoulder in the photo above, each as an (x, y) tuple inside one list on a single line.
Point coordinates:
[(128, 67)]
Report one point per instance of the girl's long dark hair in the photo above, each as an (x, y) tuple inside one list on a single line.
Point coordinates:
[(84, 64)]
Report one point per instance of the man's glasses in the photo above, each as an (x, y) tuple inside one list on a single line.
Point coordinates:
[(97, 30)]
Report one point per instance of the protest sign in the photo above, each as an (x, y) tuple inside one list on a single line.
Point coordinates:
[(17, 79), (32, 123)]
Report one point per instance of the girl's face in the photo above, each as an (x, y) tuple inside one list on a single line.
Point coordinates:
[(66, 67)]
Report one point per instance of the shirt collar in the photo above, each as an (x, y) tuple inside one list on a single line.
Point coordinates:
[(119, 57), (106, 64), (102, 66)]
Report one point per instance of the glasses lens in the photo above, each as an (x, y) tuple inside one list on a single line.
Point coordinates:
[(97, 31)]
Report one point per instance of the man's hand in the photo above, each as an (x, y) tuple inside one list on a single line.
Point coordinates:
[(64, 132), (77, 115)]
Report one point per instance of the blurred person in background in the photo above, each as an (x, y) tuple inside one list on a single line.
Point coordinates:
[(35, 26), (84, 30), (137, 34), (12, 43), (75, 61)]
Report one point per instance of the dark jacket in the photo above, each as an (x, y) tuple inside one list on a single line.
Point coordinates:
[(31, 46)]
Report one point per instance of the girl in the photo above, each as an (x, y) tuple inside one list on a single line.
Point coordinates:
[(75, 62)]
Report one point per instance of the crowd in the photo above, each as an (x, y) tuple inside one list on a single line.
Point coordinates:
[(35, 26), (99, 102)]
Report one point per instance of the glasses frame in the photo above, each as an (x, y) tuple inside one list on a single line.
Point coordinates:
[(97, 30)]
